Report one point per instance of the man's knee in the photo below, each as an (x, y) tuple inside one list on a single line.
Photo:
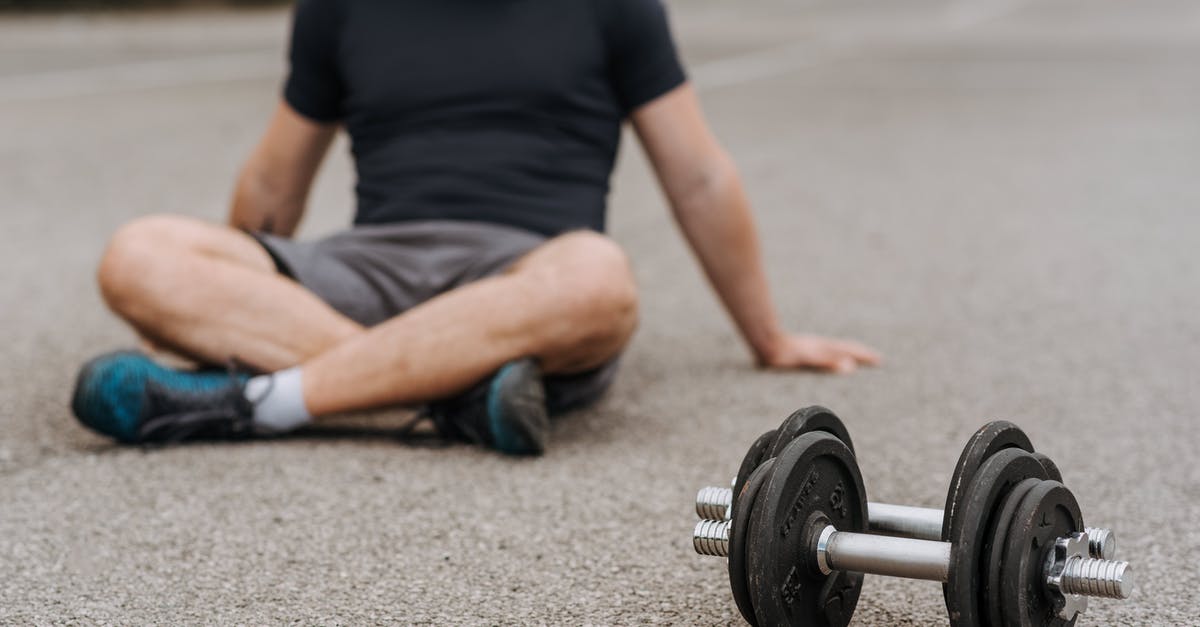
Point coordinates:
[(132, 262), (595, 276), (599, 271)]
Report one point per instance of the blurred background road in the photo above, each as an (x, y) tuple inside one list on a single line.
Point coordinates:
[(1001, 195)]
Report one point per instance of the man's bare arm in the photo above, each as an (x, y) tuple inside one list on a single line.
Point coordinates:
[(705, 192), (273, 186)]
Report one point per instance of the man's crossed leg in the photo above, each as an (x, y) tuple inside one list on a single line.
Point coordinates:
[(212, 293)]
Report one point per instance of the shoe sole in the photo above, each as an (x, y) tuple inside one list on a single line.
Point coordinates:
[(516, 408)]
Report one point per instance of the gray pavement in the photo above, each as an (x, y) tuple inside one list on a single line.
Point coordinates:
[(1001, 195)]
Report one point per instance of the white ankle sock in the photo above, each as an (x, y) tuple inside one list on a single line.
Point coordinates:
[(278, 401)]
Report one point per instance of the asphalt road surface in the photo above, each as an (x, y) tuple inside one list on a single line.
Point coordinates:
[(1001, 196)]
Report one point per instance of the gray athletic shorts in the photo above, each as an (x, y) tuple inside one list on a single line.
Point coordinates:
[(371, 273)]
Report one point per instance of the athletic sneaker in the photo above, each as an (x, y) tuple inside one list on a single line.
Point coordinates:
[(128, 396), (506, 412)]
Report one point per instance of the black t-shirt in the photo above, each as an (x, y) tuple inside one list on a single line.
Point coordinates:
[(504, 111)]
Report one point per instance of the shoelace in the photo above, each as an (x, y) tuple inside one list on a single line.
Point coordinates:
[(233, 413)]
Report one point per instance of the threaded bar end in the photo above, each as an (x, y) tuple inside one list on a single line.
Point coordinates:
[(1097, 578), (713, 503), (711, 537), (1102, 543)]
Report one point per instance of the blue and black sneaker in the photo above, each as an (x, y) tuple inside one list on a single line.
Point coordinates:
[(506, 412), (128, 396)]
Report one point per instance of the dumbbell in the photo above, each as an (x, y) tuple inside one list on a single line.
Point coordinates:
[(925, 523), (796, 551)]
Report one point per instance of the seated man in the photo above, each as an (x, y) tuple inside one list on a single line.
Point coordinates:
[(476, 280)]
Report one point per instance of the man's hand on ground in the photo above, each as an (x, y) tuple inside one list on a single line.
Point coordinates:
[(818, 353)]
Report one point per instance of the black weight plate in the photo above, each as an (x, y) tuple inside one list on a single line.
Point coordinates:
[(755, 456), (807, 420), (992, 582), (739, 580), (987, 441), (1048, 512), (971, 544), (815, 482), (1052, 471)]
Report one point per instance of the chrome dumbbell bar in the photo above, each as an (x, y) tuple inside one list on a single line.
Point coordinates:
[(920, 523)]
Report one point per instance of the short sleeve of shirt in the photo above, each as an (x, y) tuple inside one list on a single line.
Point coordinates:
[(642, 52), (314, 86)]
